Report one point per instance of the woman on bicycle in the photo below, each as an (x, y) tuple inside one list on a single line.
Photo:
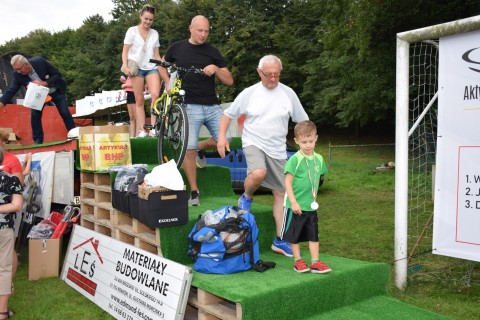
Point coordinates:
[(141, 44)]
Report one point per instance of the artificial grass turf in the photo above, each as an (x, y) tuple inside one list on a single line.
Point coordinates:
[(378, 307), (353, 290)]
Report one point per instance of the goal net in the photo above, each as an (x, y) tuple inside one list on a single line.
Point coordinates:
[(416, 136)]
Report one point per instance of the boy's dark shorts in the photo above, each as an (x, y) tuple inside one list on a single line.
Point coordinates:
[(301, 228)]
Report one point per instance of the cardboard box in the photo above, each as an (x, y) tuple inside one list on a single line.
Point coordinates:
[(144, 192), (102, 147), (44, 258), (162, 208), (12, 137)]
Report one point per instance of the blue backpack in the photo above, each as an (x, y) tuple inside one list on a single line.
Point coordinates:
[(228, 246)]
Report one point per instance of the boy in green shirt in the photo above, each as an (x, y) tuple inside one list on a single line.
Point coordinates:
[(302, 177)]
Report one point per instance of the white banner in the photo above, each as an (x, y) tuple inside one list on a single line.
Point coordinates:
[(125, 281), (107, 99), (457, 187)]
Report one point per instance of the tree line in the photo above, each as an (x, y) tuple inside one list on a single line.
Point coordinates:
[(338, 55)]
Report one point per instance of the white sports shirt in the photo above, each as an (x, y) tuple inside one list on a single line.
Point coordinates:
[(134, 38), (267, 114)]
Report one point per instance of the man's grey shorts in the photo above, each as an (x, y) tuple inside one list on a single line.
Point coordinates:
[(257, 159)]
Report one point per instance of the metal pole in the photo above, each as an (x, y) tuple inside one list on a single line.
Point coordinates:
[(329, 153), (401, 164)]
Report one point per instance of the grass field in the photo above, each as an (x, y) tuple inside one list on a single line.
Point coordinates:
[(356, 217), (356, 220)]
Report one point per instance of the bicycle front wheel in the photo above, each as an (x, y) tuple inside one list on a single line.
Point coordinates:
[(173, 136)]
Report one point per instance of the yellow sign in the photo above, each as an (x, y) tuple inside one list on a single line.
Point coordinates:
[(102, 147)]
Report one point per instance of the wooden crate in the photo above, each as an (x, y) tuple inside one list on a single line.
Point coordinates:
[(124, 237), (86, 194), (87, 178), (139, 243), (87, 212), (102, 196), (87, 223), (210, 306), (122, 221), (102, 179), (103, 216), (107, 231), (150, 235)]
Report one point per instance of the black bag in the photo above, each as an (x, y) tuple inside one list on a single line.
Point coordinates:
[(126, 185)]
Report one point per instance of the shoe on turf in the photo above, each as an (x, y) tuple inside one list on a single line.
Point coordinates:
[(319, 267), (194, 199), (152, 133), (300, 266), (282, 247), (142, 134), (201, 159), (244, 203)]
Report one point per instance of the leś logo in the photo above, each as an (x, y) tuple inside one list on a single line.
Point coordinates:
[(85, 266)]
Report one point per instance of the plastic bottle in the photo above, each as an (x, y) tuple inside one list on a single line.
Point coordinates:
[(211, 218), (207, 217), (232, 213)]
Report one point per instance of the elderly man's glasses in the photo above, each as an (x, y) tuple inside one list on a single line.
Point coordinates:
[(19, 68), (270, 74)]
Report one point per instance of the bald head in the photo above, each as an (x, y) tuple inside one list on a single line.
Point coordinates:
[(199, 29), (199, 20)]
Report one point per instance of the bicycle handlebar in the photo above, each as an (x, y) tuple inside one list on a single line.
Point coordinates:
[(166, 64)]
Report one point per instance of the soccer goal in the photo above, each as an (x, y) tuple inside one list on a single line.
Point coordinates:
[(416, 137)]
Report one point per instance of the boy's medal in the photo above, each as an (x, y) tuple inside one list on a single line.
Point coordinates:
[(314, 204)]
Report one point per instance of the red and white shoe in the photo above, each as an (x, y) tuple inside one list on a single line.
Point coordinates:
[(319, 267)]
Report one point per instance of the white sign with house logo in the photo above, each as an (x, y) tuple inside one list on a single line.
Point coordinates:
[(125, 281)]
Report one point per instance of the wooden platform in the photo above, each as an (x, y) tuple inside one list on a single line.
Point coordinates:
[(99, 215), (204, 305)]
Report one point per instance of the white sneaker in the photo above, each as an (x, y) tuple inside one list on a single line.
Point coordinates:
[(201, 159), (194, 201), (152, 133), (141, 134)]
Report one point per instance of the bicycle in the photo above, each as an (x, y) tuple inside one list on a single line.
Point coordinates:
[(171, 126)]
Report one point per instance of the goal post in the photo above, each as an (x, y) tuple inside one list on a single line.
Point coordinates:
[(404, 132)]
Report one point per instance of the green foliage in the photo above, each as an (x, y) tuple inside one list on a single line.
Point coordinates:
[(338, 55), (298, 38), (359, 54), (38, 42), (126, 7)]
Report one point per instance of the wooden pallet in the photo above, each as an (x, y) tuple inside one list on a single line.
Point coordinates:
[(209, 306), (99, 215)]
